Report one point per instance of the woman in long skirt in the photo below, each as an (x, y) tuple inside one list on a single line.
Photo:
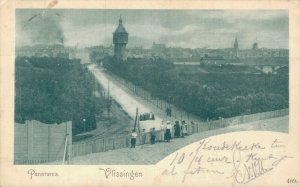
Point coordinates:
[(177, 129), (168, 131), (162, 131)]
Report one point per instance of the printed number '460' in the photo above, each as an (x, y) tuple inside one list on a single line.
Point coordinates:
[(292, 181)]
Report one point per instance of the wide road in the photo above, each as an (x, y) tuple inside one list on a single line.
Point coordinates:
[(127, 101)]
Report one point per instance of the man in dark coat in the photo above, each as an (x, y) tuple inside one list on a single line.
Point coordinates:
[(153, 136), (177, 129)]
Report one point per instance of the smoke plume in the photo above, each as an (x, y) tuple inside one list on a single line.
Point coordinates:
[(44, 29)]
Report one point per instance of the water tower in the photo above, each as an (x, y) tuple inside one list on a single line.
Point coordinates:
[(120, 40)]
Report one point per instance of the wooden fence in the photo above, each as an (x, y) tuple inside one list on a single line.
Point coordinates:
[(35, 142), (122, 141)]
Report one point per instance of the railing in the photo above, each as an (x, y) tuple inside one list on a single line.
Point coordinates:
[(122, 141), (159, 105)]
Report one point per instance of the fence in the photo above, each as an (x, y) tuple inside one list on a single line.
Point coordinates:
[(221, 123), (122, 141), (160, 106), (99, 145), (35, 142)]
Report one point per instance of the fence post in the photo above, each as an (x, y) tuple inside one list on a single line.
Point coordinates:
[(69, 132), (65, 149), (29, 139), (49, 143)]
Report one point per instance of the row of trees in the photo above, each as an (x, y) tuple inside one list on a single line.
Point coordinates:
[(208, 95), (54, 90)]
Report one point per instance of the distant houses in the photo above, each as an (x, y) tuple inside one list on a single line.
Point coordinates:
[(57, 50)]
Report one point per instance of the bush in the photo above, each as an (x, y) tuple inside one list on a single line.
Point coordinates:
[(55, 90), (208, 95)]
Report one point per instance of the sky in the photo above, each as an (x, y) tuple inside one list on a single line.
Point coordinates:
[(176, 28)]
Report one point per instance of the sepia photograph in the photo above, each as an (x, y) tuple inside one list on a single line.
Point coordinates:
[(149, 93), (132, 86)]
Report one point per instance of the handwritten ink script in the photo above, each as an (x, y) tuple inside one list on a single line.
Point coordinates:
[(236, 160)]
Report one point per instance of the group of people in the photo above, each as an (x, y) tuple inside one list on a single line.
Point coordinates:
[(147, 116), (165, 133), (134, 135), (180, 130)]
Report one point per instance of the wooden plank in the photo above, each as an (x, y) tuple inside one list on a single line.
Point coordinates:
[(69, 132), (29, 139), (33, 141)]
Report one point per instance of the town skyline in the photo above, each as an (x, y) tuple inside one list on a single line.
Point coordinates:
[(200, 29)]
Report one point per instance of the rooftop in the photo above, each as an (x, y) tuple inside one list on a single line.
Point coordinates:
[(120, 28)]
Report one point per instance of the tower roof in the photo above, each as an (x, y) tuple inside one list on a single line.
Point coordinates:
[(235, 41), (120, 28)]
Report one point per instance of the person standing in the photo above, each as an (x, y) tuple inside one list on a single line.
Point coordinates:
[(162, 131), (192, 128), (133, 138), (153, 136), (144, 134), (168, 131), (184, 129), (177, 129), (147, 116), (151, 116)]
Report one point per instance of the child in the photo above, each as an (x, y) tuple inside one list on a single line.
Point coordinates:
[(133, 138)]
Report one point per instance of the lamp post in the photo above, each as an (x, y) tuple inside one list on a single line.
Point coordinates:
[(84, 124)]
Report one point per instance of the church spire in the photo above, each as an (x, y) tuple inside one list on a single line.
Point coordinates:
[(236, 47), (236, 44), (120, 20)]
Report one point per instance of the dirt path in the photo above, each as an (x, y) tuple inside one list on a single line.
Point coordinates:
[(127, 101), (151, 154)]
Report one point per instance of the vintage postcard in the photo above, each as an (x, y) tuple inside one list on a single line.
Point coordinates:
[(149, 93)]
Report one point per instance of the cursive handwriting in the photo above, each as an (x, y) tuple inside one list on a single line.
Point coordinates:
[(225, 146), (277, 144), (255, 157), (195, 167), (282, 158), (167, 172), (237, 160), (245, 172)]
